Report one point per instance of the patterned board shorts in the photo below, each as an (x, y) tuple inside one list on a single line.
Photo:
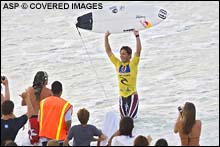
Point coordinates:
[(34, 130), (129, 105)]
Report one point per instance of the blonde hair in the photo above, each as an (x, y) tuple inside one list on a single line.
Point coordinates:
[(53, 143)]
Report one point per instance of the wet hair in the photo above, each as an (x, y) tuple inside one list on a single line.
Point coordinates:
[(127, 49), (126, 126), (39, 80), (141, 141), (189, 117), (56, 88), (161, 142), (7, 107), (83, 116)]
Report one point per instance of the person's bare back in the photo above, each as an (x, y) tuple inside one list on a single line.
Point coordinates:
[(38, 91), (45, 92)]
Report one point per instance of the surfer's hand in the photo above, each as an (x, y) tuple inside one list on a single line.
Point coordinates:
[(107, 34), (136, 33), (4, 80)]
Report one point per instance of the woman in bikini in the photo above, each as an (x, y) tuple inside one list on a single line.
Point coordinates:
[(187, 126)]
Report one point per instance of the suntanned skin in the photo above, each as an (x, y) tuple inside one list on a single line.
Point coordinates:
[(124, 57), (29, 108), (46, 92), (194, 135)]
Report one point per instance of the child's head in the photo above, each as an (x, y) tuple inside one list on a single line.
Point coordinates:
[(83, 116), (7, 107), (126, 126), (53, 143), (10, 143), (141, 141), (161, 142)]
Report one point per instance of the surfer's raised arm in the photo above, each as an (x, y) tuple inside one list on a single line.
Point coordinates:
[(107, 45), (138, 43)]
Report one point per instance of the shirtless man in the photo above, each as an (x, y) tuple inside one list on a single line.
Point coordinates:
[(37, 92)]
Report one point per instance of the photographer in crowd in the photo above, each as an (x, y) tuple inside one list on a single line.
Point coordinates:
[(187, 126)]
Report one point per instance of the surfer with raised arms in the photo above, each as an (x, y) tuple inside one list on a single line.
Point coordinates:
[(127, 69)]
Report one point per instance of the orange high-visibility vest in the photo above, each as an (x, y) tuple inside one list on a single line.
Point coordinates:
[(52, 118)]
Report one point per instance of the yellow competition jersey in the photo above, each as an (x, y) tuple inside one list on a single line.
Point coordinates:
[(127, 75)]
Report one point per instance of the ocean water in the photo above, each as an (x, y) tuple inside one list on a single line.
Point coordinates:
[(179, 63)]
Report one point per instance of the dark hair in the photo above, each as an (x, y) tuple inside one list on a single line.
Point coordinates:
[(2, 78), (189, 117), (56, 87), (83, 116), (127, 49), (39, 81), (7, 107), (126, 126), (161, 142), (141, 141)]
